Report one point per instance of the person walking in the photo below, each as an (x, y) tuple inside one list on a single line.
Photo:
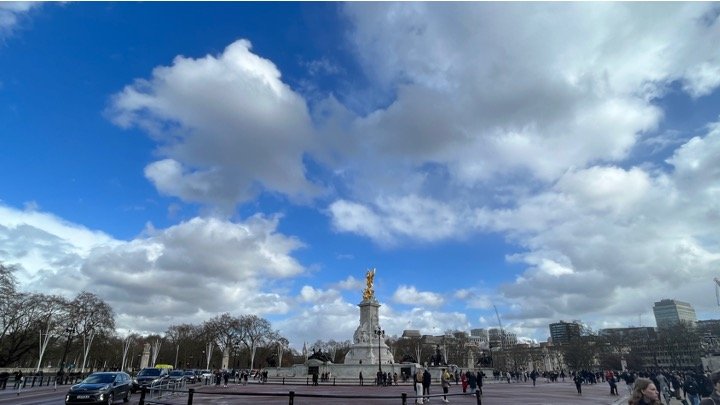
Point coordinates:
[(644, 393), (426, 380), (714, 398), (578, 380), (361, 378), (692, 391), (471, 381), (479, 379), (418, 386), (464, 381), (445, 383), (610, 378)]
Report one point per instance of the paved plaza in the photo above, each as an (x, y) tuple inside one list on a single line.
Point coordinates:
[(493, 393)]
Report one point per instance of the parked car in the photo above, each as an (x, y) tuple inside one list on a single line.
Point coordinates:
[(177, 376), (149, 376), (190, 376), (100, 388)]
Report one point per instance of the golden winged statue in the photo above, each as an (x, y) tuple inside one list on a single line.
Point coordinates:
[(369, 292)]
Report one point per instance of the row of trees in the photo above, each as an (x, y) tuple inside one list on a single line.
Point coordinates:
[(39, 330), (32, 325)]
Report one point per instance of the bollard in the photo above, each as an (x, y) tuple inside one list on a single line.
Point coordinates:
[(404, 398), (191, 392), (477, 396), (291, 397)]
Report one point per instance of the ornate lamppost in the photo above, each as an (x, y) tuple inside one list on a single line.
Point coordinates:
[(380, 335)]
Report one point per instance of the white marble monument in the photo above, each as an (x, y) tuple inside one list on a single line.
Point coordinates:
[(369, 339)]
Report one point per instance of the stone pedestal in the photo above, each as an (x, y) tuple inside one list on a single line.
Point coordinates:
[(145, 359), (367, 347)]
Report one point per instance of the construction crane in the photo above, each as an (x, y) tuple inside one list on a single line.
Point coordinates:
[(717, 290), (500, 322), (502, 331)]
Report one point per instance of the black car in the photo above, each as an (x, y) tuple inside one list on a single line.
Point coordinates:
[(100, 388), (177, 376), (190, 377), (149, 376)]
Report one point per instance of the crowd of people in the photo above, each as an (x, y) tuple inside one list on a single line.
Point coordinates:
[(657, 387)]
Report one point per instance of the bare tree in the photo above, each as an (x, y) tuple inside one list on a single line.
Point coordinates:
[(225, 330), (90, 315), (50, 313), (254, 332)]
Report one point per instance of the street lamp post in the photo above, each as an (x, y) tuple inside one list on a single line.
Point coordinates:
[(69, 331), (380, 334)]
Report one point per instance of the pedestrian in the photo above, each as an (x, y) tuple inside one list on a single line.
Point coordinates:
[(464, 381), (479, 378), (533, 376), (692, 391), (644, 393), (418, 386), (395, 378), (18, 379), (578, 380), (426, 379), (445, 383), (714, 398), (361, 378), (226, 377), (613, 384), (4, 377)]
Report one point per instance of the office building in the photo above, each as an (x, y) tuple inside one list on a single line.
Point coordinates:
[(671, 312), (563, 332)]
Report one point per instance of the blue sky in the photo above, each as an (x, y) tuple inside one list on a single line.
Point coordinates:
[(181, 160)]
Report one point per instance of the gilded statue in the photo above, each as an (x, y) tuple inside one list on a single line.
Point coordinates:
[(369, 292)]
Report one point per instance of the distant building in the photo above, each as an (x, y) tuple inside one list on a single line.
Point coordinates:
[(411, 333), (498, 338), (563, 332), (479, 338), (671, 312)]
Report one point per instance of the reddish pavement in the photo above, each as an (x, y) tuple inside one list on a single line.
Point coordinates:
[(494, 393)]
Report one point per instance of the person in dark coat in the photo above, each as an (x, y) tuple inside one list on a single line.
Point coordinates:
[(426, 385), (714, 398), (578, 380)]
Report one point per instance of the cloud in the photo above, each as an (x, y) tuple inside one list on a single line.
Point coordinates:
[(188, 272), (554, 95), (227, 126), (10, 14), (409, 295), (390, 219)]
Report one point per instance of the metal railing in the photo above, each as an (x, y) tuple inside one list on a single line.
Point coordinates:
[(31, 381), (147, 398)]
